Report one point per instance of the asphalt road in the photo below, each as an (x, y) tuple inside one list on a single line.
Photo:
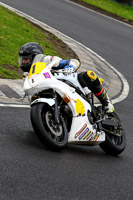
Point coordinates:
[(27, 169)]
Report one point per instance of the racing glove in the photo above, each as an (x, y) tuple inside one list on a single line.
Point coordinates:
[(69, 68)]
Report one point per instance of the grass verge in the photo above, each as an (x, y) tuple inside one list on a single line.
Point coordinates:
[(121, 10), (14, 32)]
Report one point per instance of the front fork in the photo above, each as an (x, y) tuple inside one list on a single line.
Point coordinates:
[(56, 109)]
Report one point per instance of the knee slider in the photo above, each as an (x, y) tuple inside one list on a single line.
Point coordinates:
[(92, 75)]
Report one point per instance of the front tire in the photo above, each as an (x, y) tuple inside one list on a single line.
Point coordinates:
[(114, 144), (51, 134)]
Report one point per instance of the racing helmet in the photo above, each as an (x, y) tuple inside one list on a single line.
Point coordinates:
[(27, 53)]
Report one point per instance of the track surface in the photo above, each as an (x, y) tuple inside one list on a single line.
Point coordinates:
[(27, 169)]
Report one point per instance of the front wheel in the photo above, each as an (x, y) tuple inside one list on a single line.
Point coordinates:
[(115, 141), (51, 134)]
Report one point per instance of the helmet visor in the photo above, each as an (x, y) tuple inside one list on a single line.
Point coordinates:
[(24, 60)]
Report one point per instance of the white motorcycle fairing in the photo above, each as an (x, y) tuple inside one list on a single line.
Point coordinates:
[(40, 79)]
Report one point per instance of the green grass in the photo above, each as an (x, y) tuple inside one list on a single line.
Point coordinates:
[(124, 11), (14, 32)]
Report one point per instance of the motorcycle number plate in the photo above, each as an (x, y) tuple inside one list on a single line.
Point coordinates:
[(36, 68)]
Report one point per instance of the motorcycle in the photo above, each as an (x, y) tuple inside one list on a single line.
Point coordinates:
[(62, 112)]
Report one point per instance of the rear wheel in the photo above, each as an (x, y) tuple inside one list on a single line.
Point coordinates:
[(50, 133), (115, 142)]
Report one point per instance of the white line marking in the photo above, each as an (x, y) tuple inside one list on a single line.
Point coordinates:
[(1, 93), (14, 105)]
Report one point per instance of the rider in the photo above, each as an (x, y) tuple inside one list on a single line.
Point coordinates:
[(87, 79)]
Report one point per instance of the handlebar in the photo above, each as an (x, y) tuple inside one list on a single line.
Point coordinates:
[(62, 71)]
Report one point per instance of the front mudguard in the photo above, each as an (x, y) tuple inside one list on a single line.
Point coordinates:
[(49, 101)]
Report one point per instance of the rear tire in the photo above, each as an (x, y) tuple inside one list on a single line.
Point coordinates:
[(114, 144), (51, 134)]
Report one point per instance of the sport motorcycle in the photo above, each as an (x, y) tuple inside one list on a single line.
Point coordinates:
[(63, 112)]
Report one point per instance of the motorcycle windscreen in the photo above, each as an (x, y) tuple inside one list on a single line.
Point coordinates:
[(36, 68)]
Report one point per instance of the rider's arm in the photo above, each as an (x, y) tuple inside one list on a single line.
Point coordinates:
[(61, 64), (69, 63)]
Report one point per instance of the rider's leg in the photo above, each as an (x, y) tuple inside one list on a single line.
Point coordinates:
[(89, 79)]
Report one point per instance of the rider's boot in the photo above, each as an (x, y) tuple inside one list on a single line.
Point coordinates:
[(106, 102)]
